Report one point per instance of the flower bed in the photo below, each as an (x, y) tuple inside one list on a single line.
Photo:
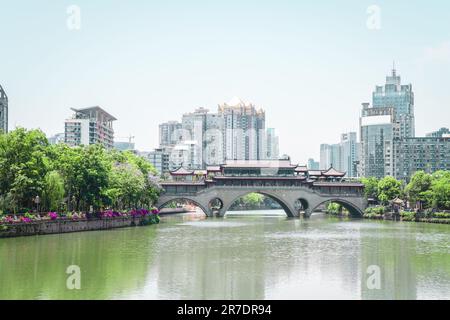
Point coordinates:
[(149, 217)]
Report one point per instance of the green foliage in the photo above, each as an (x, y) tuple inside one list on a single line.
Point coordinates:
[(370, 187), (253, 199), (417, 189), (444, 215), (378, 210), (53, 192), (389, 188), (86, 175), (440, 189), (408, 215), (24, 161), (336, 209)]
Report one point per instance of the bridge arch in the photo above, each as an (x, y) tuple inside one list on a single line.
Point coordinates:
[(290, 210), (353, 209), (204, 208)]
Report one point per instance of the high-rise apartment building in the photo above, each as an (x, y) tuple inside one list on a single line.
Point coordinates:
[(378, 128), (236, 131), (427, 154), (313, 165), (349, 154), (90, 126), (244, 127), (3, 111), (159, 158), (269, 145), (170, 133), (342, 156)]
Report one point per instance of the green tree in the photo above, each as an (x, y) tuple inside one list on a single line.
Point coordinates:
[(440, 189), (418, 188), (370, 187), (24, 162), (253, 199), (53, 193), (389, 188)]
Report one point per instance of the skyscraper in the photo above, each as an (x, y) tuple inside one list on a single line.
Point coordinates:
[(244, 127), (378, 128), (342, 156), (3, 111), (90, 126), (400, 98), (349, 154), (169, 133)]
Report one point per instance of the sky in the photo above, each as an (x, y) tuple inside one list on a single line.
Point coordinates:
[(309, 64)]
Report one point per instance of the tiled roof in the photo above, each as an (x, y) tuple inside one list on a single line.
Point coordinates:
[(334, 172), (258, 164), (182, 171)]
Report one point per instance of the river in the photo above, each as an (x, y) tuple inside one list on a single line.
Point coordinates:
[(241, 256)]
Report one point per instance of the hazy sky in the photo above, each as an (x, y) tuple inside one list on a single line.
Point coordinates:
[(309, 65)]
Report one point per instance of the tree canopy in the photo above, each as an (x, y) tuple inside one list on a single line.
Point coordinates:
[(75, 178)]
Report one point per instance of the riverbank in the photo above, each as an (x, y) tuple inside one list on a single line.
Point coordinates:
[(67, 226)]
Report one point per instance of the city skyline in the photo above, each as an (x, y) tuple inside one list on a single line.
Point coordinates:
[(296, 61)]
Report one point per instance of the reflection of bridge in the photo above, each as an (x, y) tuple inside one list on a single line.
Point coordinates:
[(295, 188)]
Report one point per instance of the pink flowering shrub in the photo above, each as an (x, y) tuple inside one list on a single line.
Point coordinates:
[(53, 216)]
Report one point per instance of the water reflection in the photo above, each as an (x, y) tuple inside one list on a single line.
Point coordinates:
[(238, 257)]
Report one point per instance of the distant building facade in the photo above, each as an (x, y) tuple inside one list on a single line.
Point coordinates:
[(378, 128), (3, 111), (57, 138), (244, 127), (342, 156), (90, 126), (237, 131), (169, 133), (441, 133), (427, 154), (159, 158), (313, 165)]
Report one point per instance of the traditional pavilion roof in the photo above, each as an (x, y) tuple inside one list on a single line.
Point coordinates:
[(301, 169), (213, 168), (315, 173), (258, 164), (200, 172), (333, 173), (182, 172)]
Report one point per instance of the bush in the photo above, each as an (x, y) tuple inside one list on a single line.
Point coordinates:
[(443, 215), (408, 215), (378, 210)]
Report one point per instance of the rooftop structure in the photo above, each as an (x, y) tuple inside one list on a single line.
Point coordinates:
[(90, 126)]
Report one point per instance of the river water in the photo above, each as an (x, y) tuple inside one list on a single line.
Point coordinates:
[(249, 256)]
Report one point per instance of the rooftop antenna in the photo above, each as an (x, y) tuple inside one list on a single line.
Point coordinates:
[(393, 69)]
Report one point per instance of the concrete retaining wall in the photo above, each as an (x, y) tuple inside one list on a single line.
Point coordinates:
[(65, 226)]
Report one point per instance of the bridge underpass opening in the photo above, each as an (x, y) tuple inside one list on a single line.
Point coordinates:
[(183, 205), (339, 208), (255, 203)]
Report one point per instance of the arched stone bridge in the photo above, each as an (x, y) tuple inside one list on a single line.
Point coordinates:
[(348, 194)]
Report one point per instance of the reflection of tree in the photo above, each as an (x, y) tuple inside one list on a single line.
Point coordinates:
[(111, 264)]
